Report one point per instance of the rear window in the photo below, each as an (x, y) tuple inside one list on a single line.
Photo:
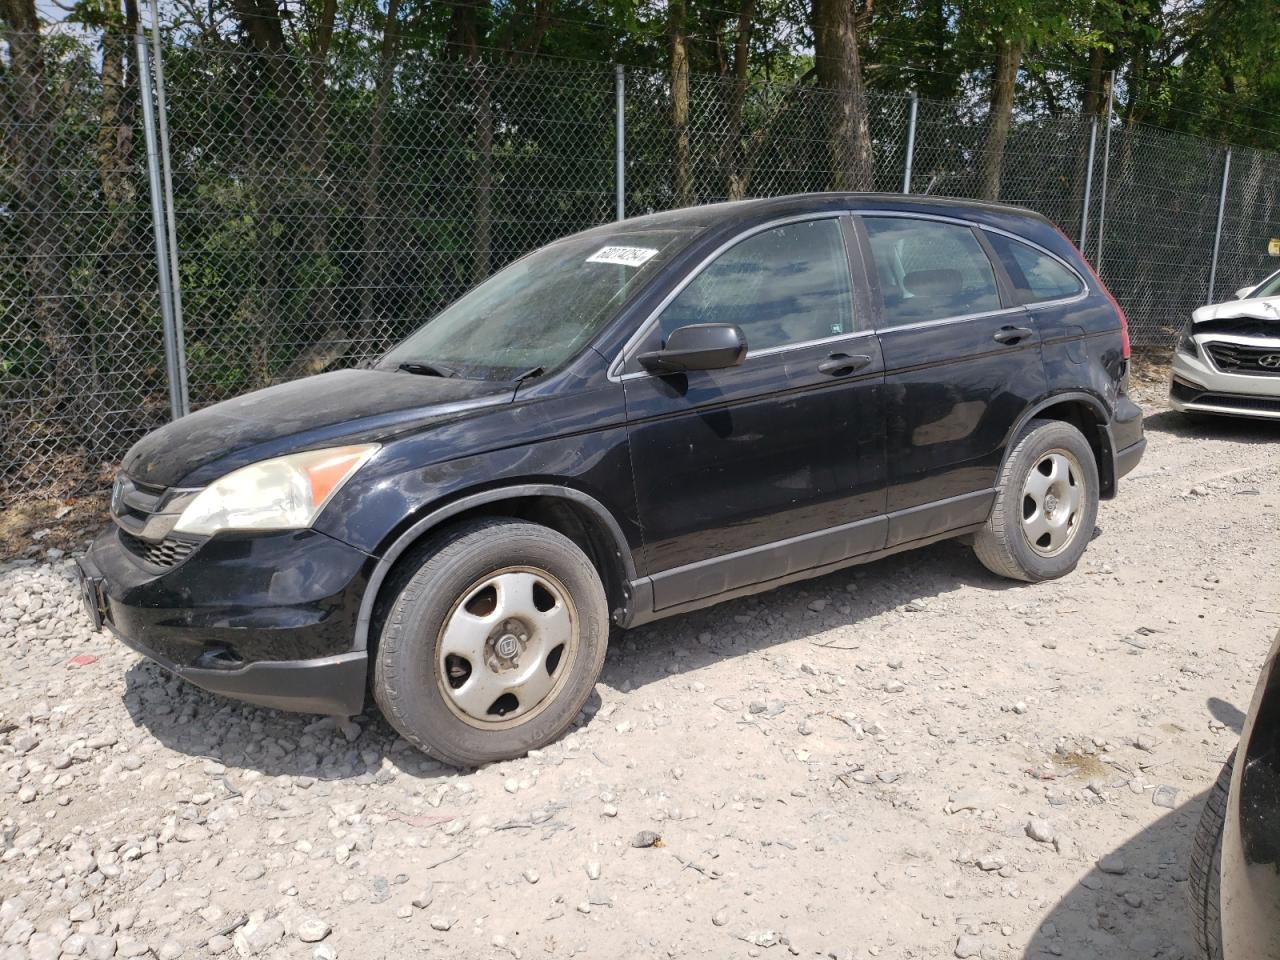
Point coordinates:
[(1036, 276)]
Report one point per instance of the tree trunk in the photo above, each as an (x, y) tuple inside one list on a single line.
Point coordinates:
[(1003, 85), (1093, 102), (119, 100), (482, 87), (1094, 98), (731, 158), (465, 32), (839, 66), (374, 233), (299, 86), (680, 102), (40, 211)]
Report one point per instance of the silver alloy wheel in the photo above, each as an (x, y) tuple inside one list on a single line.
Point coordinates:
[(506, 647), (1052, 496)]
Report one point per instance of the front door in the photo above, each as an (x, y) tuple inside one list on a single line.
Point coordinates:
[(961, 365), (746, 474)]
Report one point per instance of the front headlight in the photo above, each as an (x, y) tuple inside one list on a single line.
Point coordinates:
[(286, 493), (1185, 342)]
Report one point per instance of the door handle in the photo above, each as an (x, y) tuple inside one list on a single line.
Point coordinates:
[(1011, 334), (839, 363)]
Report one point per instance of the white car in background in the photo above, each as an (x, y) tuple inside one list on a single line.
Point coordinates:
[(1228, 356)]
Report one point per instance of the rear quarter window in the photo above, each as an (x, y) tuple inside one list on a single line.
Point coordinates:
[(1036, 276)]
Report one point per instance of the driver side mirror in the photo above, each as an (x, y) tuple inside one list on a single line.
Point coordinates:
[(698, 346), (1243, 293)]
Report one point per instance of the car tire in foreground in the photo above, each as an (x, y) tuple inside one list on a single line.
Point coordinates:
[(492, 642), (1206, 866), (1045, 507)]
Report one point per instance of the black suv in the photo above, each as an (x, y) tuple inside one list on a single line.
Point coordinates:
[(633, 422)]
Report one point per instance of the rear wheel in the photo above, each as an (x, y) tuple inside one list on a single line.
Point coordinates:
[(492, 643), (1046, 505), (1206, 866)]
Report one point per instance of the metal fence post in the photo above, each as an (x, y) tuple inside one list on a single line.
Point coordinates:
[(911, 142), (158, 225), (1217, 233), (1088, 185), (175, 278), (620, 138), (1106, 171)]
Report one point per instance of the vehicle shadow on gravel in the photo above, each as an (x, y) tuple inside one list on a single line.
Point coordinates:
[(1141, 913), (911, 583), (191, 721), (188, 720), (1234, 429)]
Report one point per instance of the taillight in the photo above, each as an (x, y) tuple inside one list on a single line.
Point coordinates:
[(1124, 321)]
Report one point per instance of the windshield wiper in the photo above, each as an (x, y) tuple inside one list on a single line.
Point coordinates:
[(527, 375), (427, 369)]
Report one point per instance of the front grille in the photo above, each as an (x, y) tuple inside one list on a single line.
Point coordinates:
[(133, 503), (1239, 358), (166, 553)]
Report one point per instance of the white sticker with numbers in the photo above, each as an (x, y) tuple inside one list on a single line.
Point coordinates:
[(622, 256)]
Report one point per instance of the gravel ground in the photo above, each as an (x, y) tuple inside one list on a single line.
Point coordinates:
[(908, 759)]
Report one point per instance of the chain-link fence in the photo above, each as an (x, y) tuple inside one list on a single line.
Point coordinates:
[(325, 209)]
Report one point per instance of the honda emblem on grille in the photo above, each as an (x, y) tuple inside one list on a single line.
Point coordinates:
[(1271, 361)]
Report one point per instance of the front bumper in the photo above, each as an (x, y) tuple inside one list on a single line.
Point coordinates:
[(264, 618), (1250, 878), (1198, 386)]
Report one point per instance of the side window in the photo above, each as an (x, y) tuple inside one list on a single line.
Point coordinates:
[(1035, 276), (929, 270), (786, 285)]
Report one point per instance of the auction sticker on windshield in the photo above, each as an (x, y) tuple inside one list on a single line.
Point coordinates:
[(623, 256)]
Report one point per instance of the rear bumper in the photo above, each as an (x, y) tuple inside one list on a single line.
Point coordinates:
[(1129, 457), (1125, 441), (268, 619), (1250, 880)]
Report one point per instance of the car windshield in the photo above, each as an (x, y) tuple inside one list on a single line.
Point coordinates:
[(1269, 287), (539, 311)]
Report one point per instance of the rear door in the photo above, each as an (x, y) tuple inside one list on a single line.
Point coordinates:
[(962, 362), (749, 473), (1056, 298)]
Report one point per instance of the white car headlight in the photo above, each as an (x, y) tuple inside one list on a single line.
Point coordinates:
[(1186, 344), (286, 493)]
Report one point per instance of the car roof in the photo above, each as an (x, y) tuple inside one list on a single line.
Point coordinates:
[(746, 212)]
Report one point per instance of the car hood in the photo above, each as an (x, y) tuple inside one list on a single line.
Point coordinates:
[(346, 406), (1257, 308)]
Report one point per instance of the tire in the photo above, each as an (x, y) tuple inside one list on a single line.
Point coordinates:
[(475, 618), (1049, 543), (1206, 867)]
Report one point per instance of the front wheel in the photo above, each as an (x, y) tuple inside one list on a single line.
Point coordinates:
[(492, 643), (1046, 505)]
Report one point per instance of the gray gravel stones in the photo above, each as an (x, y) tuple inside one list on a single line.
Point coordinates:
[(313, 930), (1040, 831), (1113, 864), (759, 741)]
